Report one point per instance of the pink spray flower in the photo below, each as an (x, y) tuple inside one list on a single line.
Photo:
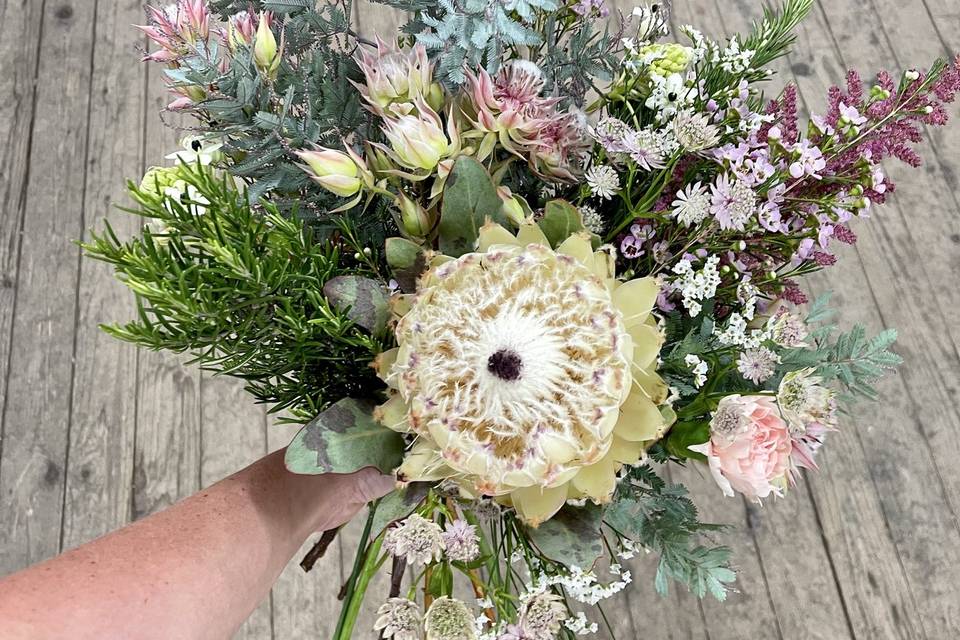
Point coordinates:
[(750, 447)]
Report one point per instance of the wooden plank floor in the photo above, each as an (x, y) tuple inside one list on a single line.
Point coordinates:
[(95, 434)]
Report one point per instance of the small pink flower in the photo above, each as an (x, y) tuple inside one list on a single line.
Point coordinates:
[(750, 447)]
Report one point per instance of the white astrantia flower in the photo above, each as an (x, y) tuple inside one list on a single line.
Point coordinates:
[(416, 539), (526, 373), (541, 616), (592, 220), (758, 365), (692, 205), (461, 542), (803, 400), (399, 619), (603, 181), (788, 330), (449, 619), (694, 131)]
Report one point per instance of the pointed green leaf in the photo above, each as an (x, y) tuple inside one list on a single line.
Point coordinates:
[(366, 302), (343, 439), (469, 199), (572, 537), (398, 504)]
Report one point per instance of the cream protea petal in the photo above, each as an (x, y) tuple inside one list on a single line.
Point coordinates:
[(578, 246), (530, 233), (423, 463), (393, 414), (536, 504), (493, 234), (635, 299), (640, 419), (514, 363), (598, 480), (626, 452), (384, 362), (647, 341)]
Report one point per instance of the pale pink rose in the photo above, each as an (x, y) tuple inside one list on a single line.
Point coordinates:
[(749, 448)]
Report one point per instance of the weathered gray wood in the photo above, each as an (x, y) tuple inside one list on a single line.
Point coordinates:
[(889, 289), (19, 47), (167, 445), (36, 417), (100, 465)]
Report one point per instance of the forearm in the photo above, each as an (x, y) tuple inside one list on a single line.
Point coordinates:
[(195, 570)]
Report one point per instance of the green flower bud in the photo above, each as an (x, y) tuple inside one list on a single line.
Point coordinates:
[(266, 55), (414, 220)]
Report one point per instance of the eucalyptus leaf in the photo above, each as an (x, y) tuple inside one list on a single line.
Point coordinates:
[(572, 537), (407, 260), (398, 504), (469, 199), (366, 302), (344, 439), (560, 221)]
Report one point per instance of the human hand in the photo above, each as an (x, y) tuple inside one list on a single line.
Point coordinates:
[(341, 496)]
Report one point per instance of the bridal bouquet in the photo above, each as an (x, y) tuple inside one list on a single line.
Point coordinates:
[(522, 255)]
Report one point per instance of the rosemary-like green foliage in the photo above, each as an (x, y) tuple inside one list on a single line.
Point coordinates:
[(241, 290)]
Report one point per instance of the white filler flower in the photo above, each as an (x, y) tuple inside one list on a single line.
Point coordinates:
[(526, 373)]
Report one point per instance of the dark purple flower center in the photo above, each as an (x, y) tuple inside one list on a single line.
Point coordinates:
[(505, 364)]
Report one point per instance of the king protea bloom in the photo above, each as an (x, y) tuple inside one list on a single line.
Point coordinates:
[(525, 373)]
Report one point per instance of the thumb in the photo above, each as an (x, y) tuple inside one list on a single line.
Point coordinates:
[(370, 484)]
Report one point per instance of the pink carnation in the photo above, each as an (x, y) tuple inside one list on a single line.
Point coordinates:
[(749, 448)]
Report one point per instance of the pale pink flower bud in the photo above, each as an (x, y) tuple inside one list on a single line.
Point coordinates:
[(266, 54), (394, 76), (419, 142), (333, 170), (414, 219)]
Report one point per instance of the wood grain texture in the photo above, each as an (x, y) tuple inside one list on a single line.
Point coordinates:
[(103, 411), (169, 411), (20, 25), (36, 416)]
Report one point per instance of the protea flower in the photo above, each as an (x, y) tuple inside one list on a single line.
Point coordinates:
[(176, 28), (393, 77), (419, 142), (525, 373), (560, 147), (508, 107)]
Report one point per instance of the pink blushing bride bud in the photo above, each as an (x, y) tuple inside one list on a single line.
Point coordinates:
[(333, 170), (241, 29), (266, 54), (393, 76), (418, 142)]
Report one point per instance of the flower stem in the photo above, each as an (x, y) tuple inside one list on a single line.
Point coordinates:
[(364, 564)]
